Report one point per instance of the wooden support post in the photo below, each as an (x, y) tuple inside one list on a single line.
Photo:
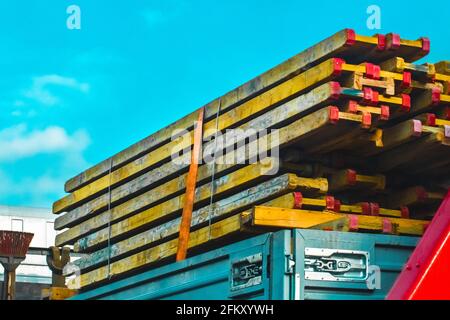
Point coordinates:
[(186, 217)]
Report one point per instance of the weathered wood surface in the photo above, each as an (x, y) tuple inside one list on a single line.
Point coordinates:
[(238, 179), (237, 202), (344, 44), (392, 137), (300, 129), (293, 109), (412, 196), (280, 187), (337, 43), (315, 76), (407, 153), (274, 118), (148, 217), (261, 216), (242, 199), (168, 249), (347, 178)]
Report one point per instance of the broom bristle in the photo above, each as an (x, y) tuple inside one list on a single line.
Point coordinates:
[(14, 243)]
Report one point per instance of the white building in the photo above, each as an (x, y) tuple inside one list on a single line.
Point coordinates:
[(39, 221)]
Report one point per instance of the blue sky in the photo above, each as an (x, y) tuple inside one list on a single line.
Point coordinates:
[(70, 98)]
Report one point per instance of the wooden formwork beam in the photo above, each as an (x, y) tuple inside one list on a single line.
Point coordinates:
[(167, 210), (412, 196), (386, 139), (293, 218), (398, 64), (289, 134), (352, 179), (222, 209), (244, 112), (430, 119), (175, 170), (218, 230), (347, 178), (260, 217), (241, 201), (372, 75), (344, 44), (300, 129), (238, 179), (383, 112), (407, 153)]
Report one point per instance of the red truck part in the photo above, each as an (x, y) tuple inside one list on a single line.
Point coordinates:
[(426, 275)]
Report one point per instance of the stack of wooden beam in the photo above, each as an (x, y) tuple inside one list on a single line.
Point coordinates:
[(363, 137)]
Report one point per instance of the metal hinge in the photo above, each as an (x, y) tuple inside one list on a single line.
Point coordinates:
[(290, 264)]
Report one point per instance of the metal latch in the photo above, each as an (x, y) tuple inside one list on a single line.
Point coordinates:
[(336, 265), (246, 272)]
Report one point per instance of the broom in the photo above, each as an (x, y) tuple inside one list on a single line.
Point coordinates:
[(13, 249)]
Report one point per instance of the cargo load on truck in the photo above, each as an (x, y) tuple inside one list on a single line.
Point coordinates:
[(350, 135)]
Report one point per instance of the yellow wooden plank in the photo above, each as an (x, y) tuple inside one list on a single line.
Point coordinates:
[(285, 135), (330, 47), (163, 251), (293, 218), (342, 44), (226, 183), (316, 75), (164, 209)]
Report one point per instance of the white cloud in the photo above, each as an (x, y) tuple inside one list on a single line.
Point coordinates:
[(18, 142), (38, 191), (40, 92), (45, 183)]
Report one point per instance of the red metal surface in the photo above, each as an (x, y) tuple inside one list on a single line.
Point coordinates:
[(426, 275), (14, 244)]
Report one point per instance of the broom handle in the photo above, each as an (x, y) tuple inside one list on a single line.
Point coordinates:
[(11, 288)]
